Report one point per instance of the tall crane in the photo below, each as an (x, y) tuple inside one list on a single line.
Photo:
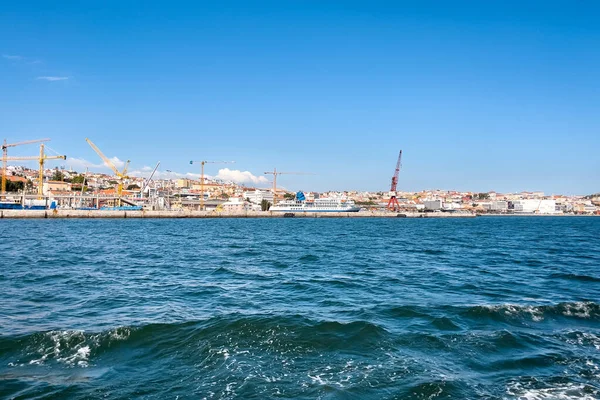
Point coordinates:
[(5, 147), (275, 173), (393, 204), (120, 175), (41, 159), (147, 183), (202, 176)]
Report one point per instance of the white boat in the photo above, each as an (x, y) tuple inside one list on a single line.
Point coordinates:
[(300, 204)]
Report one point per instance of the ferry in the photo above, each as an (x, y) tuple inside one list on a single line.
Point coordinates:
[(300, 204)]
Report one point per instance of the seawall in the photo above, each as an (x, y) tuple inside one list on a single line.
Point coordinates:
[(50, 214)]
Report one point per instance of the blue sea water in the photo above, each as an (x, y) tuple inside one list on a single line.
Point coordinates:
[(484, 308)]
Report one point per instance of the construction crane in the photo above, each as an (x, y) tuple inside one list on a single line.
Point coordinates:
[(5, 147), (393, 204), (41, 159), (275, 173), (202, 177), (148, 180), (120, 175)]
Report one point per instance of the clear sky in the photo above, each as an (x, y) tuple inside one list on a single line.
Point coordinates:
[(480, 95)]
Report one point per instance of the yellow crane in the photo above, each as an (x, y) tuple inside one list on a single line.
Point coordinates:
[(275, 173), (202, 177), (5, 147), (41, 159), (121, 175)]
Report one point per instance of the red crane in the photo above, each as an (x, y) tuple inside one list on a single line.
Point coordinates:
[(393, 204)]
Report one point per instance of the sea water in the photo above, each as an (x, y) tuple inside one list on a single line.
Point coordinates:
[(483, 308)]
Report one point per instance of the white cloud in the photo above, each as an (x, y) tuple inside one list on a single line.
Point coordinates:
[(142, 173), (80, 164), (12, 57), (52, 78), (238, 176)]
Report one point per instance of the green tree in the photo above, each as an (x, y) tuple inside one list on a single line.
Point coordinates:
[(133, 187), (265, 205), (79, 179), (13, 186), (57, 176), (289, 196)]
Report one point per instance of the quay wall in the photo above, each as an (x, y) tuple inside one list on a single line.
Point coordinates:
[(50, 214)]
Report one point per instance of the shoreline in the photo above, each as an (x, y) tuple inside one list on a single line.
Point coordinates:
[(96, 214), (92, 214)]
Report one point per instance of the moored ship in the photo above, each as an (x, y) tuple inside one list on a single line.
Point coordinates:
[(301, 204)]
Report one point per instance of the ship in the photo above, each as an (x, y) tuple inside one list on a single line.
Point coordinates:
[(301, 204)]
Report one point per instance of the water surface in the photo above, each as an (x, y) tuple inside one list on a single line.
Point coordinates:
[(485, 308)]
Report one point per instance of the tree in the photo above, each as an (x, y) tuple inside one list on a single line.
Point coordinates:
[(289, 196), (13, 186), (133, 187), (57, 176), (265, 205), (78, 179)]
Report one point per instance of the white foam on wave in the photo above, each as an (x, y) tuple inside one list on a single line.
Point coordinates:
[(513, 310), (71, 347), (583, 339), (579, 309), (571, 391)]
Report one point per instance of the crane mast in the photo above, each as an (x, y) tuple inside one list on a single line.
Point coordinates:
[(5, 147), (275, 173), (120, 175), (393, 204), (41, 159), (202, 176)]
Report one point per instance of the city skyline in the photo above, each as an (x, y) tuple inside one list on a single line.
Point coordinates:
[(479, 97)]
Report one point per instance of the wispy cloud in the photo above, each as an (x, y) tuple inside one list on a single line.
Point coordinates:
[(52, 78), (12, 57)]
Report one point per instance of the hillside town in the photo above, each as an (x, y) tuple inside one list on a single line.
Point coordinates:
[(66, 186)]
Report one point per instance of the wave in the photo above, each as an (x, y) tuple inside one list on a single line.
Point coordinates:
[(68, 347), (586, 310), (263, 333), (576, 277), (563, 391)]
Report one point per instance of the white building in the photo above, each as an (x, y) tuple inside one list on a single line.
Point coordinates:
[(235, 205), (535, 206), (257, 196), (433, 204)]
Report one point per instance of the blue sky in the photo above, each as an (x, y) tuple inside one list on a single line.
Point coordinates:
[(479, 95)]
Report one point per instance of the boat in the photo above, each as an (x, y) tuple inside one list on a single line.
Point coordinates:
[(301, 204)]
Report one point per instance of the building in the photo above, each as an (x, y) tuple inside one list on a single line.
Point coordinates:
[(56, 186), (182, 183), (535, 206), (235, 205), (432, 205), (257, 196)]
